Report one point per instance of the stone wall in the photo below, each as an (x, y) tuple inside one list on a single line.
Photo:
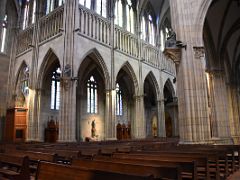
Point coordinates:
[(4, 63)]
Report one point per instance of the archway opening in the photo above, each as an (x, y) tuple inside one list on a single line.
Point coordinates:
[(124, 104), (150, 107), (91, 100), (50, 98), (170, 107), (221, 35)]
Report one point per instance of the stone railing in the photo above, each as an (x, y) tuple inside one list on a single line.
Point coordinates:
[(97, 28), (51, 24), (167, 65), (126, 42), (25, 38), (94, 26), (151, 54)]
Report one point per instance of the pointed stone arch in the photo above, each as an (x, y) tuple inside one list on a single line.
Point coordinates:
[(200, 19), (97, 57), (19, 69), (49, 59), (129, 70), (155, 83), (169, 85)]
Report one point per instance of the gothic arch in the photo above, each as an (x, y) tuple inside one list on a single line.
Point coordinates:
[(129, 70), (155, 83), (96, 56), (49, 59), (19, 69), (200, 19), (169, 85)]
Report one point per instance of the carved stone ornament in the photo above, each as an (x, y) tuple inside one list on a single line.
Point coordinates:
[(65, 81), (199, 52), (174, 54)]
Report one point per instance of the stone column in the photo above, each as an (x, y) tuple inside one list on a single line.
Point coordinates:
[(110, 120), (194, 123), (161, 118), (139, 124), (220, 114), (67, 119), (233, 106), (194, 126), (34, 126)]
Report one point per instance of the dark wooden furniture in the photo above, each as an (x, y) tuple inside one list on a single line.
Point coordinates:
[(51, 132), (16, 125), (157, 171), (14, 167), (50, 171)]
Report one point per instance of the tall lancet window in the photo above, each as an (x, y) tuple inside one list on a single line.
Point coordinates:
[(55, 89), (119, 104), (119, 13), (92, 100), (25, 81), (101, 7), (143, 29), (34, 12), (26, 14), (3, 34), (130, 16), (151, 32)]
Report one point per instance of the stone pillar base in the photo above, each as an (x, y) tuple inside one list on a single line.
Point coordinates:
[(66, 141), (236, 140), (197, 142), (222, 140), (111, 139)]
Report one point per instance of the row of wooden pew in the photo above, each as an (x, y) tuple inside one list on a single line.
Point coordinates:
[(129, 160)]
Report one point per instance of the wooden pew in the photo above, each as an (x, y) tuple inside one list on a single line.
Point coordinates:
[(50, 171), (203, 168), (158, 171), (216, 167), (14, 167), (189, 168)]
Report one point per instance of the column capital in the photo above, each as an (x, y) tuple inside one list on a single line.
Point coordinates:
[(199, 52)]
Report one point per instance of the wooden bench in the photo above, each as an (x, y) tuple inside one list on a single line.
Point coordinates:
[(50, 171), (189, 168), (158, 171), (14, 167), (217, 161)]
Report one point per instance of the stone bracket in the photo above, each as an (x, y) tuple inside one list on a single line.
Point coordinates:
[(174, 54)]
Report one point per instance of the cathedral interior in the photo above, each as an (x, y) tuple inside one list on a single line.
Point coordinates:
[(136, 68)]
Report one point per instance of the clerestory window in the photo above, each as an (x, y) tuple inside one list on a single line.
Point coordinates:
[(3, 34), (101, 7), (53, 4), (124, 15)]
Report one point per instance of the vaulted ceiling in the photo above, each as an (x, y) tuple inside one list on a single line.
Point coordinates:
[(222, 36)]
